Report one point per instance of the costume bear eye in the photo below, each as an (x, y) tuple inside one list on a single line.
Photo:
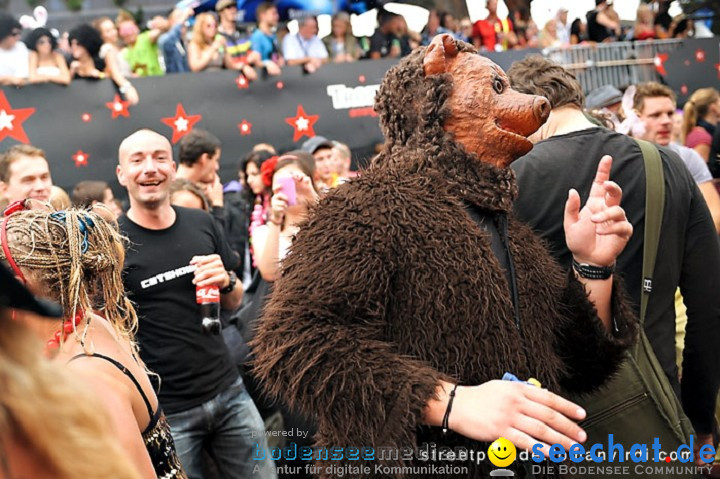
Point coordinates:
[(498, 86)]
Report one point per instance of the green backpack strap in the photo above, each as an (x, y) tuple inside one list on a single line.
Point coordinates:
[(638, 402), (660, 388), (654, 206)]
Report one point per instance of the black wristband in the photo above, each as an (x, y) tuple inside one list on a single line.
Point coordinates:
[(593, 272), (446, 418), (231, 285)]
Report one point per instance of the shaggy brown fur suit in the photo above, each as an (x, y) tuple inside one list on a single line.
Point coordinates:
[(391, 286)]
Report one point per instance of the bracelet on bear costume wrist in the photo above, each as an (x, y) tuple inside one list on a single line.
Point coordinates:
[(446, 418), (593, 272)]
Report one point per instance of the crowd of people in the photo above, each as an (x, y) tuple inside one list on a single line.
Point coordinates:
[(600, 25), (181, 400), (241, 232), (247, 232), (185, 42)]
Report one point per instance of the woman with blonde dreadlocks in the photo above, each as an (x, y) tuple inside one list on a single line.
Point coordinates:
[(75, 258)]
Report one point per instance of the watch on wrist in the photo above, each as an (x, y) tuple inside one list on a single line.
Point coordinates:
[(593, 272), (231, 285)]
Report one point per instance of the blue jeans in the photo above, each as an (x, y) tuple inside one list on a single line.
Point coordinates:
[(225, 424)]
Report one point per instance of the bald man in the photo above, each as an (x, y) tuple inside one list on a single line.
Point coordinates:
[(174, 250)]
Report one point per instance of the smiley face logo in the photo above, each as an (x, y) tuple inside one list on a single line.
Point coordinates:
[(502, 452)]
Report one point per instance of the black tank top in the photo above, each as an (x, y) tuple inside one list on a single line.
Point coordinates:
[(595, 31), (157, 438)]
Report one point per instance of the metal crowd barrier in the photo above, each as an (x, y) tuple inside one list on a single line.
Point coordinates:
[(618, 63)]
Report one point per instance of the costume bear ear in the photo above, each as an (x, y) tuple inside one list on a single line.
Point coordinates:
[(442, 48)]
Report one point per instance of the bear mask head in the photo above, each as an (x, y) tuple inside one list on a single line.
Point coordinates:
[(447, 88)]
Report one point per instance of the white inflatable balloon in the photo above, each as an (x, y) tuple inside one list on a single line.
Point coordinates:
[(41, 15), (28, 22)]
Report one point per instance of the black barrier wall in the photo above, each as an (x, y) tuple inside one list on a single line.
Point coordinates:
[(81, 126)]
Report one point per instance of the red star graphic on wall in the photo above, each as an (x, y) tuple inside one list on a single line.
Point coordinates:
[(181, 123), (245, 127), (242, 82), (302, 123), (684, 89), (660, 60), (700, 55), (80, 158), (118, 107), (717, 67), (11, 120)]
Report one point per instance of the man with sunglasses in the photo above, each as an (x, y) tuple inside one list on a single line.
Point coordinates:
[(14, 56)]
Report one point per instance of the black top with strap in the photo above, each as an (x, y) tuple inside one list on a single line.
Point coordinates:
[(596, 32), (156, 435)]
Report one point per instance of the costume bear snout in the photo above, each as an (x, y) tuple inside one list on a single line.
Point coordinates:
[(488, 115)]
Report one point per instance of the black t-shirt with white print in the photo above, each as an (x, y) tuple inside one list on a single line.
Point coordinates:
[(193, 366)]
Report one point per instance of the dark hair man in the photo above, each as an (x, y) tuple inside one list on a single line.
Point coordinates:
[(263, 39), (89, 193), (567, 150), (199, 156), (384, 43), (601, 26)]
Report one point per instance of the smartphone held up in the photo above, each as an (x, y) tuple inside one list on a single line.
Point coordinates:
[(287, 187)]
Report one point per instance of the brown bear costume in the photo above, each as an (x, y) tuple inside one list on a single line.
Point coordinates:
[(396, 282)]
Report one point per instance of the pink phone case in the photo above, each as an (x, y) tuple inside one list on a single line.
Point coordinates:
[(288, 189)]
